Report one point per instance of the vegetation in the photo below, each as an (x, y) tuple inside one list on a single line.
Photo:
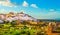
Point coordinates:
[(23, 28)]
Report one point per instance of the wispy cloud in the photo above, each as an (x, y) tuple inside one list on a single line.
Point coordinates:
[(52, 14), (6, 3), (34, 6), (25, 4), (52, 10), (2, 11)]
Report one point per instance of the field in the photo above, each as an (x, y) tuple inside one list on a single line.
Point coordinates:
[(25, 28)]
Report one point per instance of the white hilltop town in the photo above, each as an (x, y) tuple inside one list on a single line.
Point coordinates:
[(16, 16)]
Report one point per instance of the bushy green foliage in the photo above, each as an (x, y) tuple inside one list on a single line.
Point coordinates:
[(10, 28)]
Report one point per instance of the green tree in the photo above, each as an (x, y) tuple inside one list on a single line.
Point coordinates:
[(13, 23)]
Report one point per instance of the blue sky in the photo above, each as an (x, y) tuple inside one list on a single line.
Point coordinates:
[(40, 9)]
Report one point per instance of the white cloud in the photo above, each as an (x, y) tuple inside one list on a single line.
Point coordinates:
[(25, 4), (52, 10), (51, 14), (34, 5), (6, 3), (2, 11)]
